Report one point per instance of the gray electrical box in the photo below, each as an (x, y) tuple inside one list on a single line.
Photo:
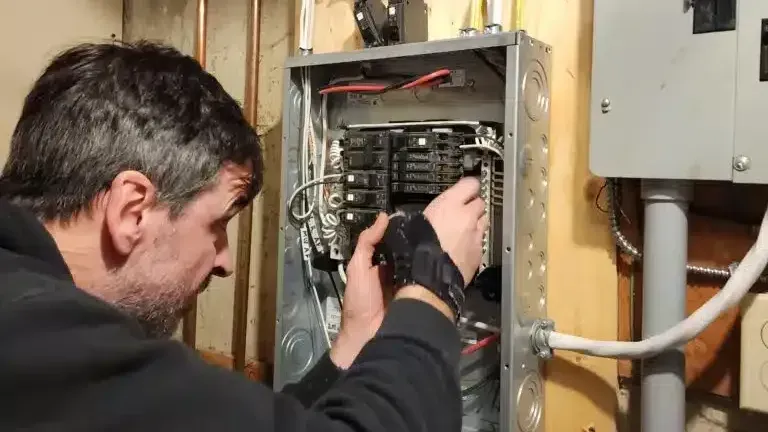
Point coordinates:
[(392, 150), (680, 90)]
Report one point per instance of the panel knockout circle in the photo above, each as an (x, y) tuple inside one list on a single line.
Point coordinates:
[(529, 406), (298, 351), (535, 91)]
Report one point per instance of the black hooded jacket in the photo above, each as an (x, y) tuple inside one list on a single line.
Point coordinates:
[(71, 362)]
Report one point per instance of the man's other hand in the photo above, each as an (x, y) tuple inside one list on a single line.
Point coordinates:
[(363, 309), (459, 220)]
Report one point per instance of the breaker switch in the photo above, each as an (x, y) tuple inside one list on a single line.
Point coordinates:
[(366, 198), (714, 16)]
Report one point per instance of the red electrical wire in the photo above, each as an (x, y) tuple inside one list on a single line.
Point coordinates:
[(427, 78), (482, 343), (353, 88), (421, 81)]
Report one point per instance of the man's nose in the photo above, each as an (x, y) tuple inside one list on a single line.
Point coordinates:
[(223, 265)]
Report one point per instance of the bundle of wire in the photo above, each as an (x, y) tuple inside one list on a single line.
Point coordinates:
[(364, 86)]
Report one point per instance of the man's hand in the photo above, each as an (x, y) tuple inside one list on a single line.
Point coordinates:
[(459, 220), (363, 309)]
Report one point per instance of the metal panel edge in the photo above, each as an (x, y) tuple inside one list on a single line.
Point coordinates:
[(281, 246), (525, 236), (751, 96), (407, 50), (508, 320)]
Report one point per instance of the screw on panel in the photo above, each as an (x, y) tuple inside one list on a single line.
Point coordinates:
[(467, 32), (605, 105), (741, 163)]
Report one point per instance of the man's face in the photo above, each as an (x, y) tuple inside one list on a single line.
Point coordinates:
[(176, 258)]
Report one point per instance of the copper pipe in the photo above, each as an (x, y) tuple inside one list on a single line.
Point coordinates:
[(245, 220), (189, 331)]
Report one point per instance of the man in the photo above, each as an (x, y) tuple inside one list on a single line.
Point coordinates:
[(126, 165)]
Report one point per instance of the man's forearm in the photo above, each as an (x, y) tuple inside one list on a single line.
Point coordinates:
[(417, 316), (406, 378)]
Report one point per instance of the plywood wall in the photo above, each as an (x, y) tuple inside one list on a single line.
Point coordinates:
[(29, 38)]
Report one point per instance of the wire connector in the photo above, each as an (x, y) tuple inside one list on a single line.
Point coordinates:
[(540, 331)]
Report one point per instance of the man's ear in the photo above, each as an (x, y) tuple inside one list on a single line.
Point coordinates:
[(129, 198)]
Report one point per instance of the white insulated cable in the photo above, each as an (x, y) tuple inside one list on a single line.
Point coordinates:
[(740, 282), (306, 25), (342, 273), (495, 12)]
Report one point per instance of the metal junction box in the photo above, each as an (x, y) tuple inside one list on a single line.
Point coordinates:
[(680, 90), (489, 117)]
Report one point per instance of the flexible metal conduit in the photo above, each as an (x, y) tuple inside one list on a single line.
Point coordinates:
[(614, 205)]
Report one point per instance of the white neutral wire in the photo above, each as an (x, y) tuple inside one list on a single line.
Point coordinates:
[(740, 282), (342, 273), (494, 150), (334, 155), (479, 325), (482, 143), (316, 182), (306, 138), (306, 24), (321, 316), (323, 151)]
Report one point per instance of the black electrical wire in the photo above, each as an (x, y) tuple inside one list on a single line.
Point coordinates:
[(600, 195), (336, 290)]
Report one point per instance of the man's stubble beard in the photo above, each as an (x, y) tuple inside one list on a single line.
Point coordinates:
[(153, 296)]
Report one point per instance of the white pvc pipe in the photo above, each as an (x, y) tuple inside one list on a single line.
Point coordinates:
[(747, 273)]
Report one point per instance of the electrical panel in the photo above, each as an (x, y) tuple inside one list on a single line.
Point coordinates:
[(679, 89), (403, 166), (390, 128)]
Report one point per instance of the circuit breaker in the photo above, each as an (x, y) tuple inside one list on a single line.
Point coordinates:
[(390, 128), (679, 90)]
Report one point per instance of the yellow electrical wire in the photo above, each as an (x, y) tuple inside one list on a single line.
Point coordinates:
[(519, 14), (477, 14)]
